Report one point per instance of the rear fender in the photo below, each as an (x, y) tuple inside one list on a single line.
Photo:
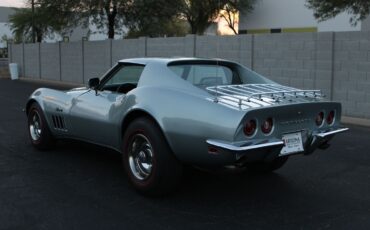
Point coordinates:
[(186, 120)]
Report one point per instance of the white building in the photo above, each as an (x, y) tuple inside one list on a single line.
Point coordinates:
[(279, 16), (5, 31), (77, 34)]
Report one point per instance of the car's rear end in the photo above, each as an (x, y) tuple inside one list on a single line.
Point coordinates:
[(279, 121), (275, 120)]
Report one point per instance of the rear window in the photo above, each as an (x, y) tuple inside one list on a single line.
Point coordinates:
[(204, 75)]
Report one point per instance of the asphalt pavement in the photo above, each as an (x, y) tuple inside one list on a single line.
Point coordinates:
[(82, 186)]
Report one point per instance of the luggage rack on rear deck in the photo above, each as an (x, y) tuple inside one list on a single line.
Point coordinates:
[(256, 95)]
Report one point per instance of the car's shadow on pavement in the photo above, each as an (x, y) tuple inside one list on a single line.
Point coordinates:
[(214, 186)]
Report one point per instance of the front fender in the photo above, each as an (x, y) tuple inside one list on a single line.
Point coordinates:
[(51, 102)]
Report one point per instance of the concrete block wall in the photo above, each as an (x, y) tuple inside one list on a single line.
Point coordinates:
[(288, 59), (97, 58), (351, 82), (234, 48), (32, 65), (206, 46), (166, 47), (337, 63), (50, 61), (128, 48), (324, 62), (16, 56), (72, 62), (246, 50)]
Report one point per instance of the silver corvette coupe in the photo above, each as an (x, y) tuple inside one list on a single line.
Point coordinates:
[(163, 113)]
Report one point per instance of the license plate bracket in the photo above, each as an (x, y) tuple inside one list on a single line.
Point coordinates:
[(292, 143)]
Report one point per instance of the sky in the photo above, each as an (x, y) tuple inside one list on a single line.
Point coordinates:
[(13, 3)]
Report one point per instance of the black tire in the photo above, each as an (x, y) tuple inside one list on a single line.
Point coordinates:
[(144, 145), (38, 129), (266, 167)]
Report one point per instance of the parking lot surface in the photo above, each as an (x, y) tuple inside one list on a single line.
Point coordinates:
[(82, 186)]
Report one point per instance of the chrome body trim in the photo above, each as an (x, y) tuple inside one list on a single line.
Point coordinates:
[(275, 143), (331, 132), (243, 148)]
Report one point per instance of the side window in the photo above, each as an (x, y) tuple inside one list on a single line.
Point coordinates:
[(124, 79), (126, 74)]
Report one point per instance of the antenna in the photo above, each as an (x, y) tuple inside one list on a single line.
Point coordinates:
[(217, 64), (216, 98)]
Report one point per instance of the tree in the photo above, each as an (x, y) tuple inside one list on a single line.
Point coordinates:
[(154, 18), (49, 17), (42, 21), (171, 28), (105, 14), (200, 14), (231, 9), (326, 9)]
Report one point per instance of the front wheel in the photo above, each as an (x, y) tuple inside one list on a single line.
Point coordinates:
[(148, 160), (38, 130)]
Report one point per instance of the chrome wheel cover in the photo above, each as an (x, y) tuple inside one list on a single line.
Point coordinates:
[(140, 157), (35, 126)]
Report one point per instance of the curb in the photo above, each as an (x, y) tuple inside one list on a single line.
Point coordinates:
[(356, 121), (51, 82)]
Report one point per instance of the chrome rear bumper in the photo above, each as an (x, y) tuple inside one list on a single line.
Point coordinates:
[(232, 147), (325, 134), (242, 148)]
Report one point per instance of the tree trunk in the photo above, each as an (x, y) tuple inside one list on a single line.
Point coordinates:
[(39, 35), (111, 15), (193, 30), (193, 27), (39, 38), (230, 21), (111, 28), (233, 29)]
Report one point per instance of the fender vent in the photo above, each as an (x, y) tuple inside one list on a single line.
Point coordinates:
[(59, 123)]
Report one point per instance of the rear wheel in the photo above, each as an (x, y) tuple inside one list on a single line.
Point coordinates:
[(38, 129), (266, 167), (149, 162)]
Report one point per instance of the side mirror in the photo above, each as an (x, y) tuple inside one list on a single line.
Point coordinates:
[(93, 83)]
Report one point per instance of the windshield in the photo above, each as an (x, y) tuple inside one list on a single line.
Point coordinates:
[(205, 74)]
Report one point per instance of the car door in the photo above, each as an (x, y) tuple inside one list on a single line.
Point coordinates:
[(94, 114)]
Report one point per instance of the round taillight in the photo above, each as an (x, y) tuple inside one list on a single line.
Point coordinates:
[(250, 128), (330, 117), (267, 125), (319, 118)]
